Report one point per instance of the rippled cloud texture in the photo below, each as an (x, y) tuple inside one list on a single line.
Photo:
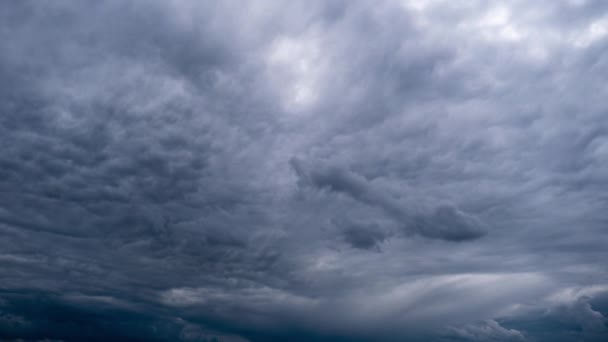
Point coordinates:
[(304, 170)]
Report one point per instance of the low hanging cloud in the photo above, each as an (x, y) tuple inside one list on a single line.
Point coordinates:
[(444, 222), (364, 237), (488, 330)]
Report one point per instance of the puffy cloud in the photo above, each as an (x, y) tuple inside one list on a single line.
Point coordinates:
[(364, 237), (445, 222)]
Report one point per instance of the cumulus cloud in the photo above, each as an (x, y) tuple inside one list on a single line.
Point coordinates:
[(303, 171)]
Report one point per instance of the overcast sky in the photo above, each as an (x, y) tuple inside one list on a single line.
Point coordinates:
[(235, 171)]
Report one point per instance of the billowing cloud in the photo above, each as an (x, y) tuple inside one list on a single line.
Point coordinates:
[(303, 171), (444, 222)]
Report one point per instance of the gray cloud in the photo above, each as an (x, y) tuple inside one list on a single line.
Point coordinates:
[(445, 222), (488, 330), (362, 235), (303, 171)]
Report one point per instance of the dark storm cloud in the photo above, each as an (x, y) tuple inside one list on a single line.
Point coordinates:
[(363, 237), (445, 222), (303, 171), (581, 319)]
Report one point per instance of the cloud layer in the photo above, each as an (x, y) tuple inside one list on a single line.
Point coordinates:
[(303, 171)]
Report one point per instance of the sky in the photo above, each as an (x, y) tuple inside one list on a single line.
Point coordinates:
[(233, 171)]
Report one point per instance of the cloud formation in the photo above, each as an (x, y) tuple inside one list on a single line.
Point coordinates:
[(305, 171), (445, 222)]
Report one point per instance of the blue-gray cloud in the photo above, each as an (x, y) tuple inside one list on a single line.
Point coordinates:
[(444, 222), (303, 171)]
